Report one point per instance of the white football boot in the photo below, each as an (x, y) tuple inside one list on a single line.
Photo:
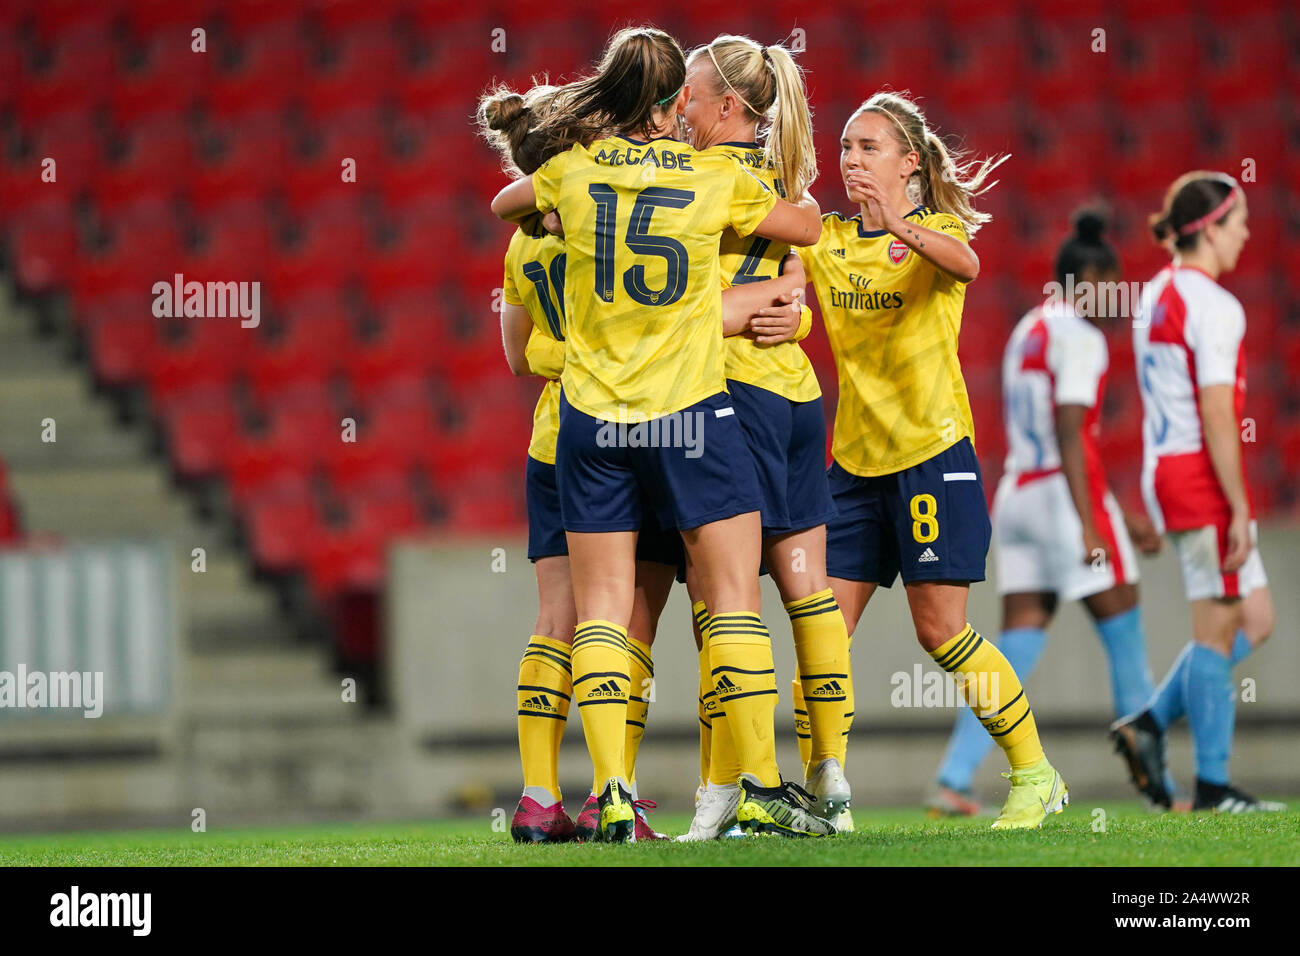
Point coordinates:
[(829, 789), (715, 813)]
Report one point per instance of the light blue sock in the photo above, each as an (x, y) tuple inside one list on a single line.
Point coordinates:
[(970, 742), (1130, 678), (1169, 705), (1241, 648), (1211, 711)]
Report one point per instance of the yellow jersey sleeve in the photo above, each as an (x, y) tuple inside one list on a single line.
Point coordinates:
[(548, 180), (509, 291), (805, 324), (783, 368), (946, 223), (533, 280), (544, 354), (751, 202)]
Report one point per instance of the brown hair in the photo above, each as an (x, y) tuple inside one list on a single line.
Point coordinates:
[(507, 121), (941, 180), (642, 70), (1191, 197), (770, 85)]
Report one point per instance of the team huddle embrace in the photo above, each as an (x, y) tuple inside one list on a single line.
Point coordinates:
[(656, 280)]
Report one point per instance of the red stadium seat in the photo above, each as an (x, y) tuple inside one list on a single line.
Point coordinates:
[(283, 525), (167, 78), (244, 163), (203, 427), (78, 77), (122, 341), (268, 73), (1145, 57), (44, 246)]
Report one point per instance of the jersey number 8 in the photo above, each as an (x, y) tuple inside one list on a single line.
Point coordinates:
[(925, 518)]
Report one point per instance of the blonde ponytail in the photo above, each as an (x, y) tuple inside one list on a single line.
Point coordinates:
[(948, 185), (789, 148), (769, 84)]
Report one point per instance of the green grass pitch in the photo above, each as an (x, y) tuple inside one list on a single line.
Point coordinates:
[(905, 837)]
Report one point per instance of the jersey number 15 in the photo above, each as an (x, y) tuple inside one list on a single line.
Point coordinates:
[(640, 241)]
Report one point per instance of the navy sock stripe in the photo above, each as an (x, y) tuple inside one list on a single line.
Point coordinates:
[(740, 670), (548, 690), (1006, 705), (955, 651), (974, 647), (564, 663), (585, 641), (529, 713), (749, 693), (1003, 733), (594, 674)]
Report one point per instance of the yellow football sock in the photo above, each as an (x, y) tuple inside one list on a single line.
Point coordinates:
[(706, 705), (600, 685), (848, 710), (821, 647), (801, 731), (993, 691), (641, 668), (744, 679), (545, 688)]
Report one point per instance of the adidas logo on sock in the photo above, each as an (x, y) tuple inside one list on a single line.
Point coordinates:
[(607, 689), (829, 688), (725, 684), (838, 252), (928, 555), (541, 702)]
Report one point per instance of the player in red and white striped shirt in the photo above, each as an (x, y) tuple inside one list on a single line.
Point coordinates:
[(1058, 532), (1188, 343)]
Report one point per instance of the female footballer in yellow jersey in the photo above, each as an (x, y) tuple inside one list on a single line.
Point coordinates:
[(891, 282), (532, 328), (645, 421), (735, 84)]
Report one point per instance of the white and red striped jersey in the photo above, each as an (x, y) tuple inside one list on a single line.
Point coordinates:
[(1188, 333), (1054, 357)]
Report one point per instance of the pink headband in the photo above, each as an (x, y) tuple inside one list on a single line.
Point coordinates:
[(1212, 216)]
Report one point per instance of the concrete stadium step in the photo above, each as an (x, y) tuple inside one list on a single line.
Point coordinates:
[(261, 685), (128, 500)]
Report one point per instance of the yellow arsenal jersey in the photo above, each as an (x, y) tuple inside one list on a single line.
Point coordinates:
[(782, 368), (534, 279), (892, 319), (642, 283)]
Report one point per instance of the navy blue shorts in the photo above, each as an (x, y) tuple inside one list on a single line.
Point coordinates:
[(684, 470), (788, 442), (546, 531), (930, 521)]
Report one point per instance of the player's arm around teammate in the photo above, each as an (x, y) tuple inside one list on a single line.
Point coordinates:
[(532, 327), (738, 86), (629, 355)]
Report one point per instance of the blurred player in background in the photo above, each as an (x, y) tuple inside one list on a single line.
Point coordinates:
[(643, 215), (1060, 534), (532, 327), (734, 85), (1188, 343), (891, 282)]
